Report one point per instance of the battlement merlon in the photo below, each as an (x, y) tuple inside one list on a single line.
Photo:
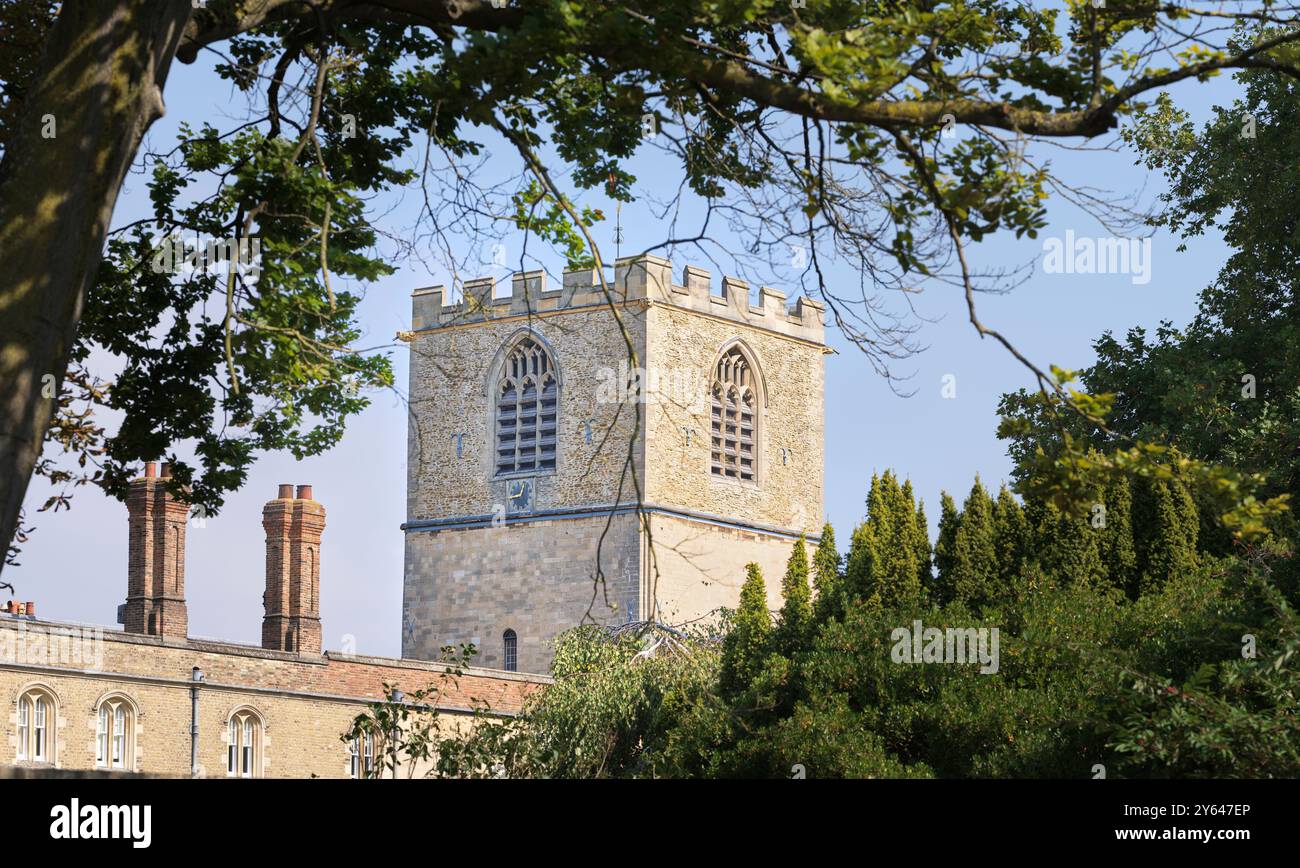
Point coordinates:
[(635, 278)]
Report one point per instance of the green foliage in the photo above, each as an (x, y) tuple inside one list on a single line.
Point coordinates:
[(614, 710), (945, 549), (1012, 537), (1221, 390), (796, 612), (920, 532), (1056, 462), (1118, 547), (1149, 687), (1233, 714), (408, 732), (976, 579), (1068, 548), (24, 25), (883, 566), (829, 600), (1167, 528), (748, 640)]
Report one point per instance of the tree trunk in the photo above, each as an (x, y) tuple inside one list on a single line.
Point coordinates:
[(97, 91)]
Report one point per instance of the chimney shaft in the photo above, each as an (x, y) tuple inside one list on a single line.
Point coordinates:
[(292, 599), (155, 583)]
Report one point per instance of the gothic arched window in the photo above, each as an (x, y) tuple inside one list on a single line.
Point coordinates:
[(115, 734), (37, 718), (527, 396), (361, 756), (244, 745), (735, 416), (510, 649)]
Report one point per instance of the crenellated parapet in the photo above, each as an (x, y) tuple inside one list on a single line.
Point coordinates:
[(642, 278)]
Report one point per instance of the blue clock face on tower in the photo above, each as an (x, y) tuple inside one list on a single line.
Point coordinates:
[(519, 496)]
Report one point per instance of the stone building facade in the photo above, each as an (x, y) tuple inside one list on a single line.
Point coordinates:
[(148, 699), (603, 452), (598, 452)]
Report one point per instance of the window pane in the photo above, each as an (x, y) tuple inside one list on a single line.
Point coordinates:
[(233, 748), (24, 726), (733, 418), (511, 651), (119, 737), (101, 737), (38, 747), (247, 746), (526, 410)]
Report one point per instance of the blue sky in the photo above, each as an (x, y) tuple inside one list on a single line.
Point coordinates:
[(75, 564)]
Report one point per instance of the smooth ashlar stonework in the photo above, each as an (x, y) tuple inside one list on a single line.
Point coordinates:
[(631, 475), (538, 579)]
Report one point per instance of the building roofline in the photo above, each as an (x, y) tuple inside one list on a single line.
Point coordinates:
[(217, 646)]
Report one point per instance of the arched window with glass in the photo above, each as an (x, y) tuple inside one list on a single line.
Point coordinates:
[(37, 719), (510, 651), (361, 752), (115, 733), (244, 744), (736, 405), (527, 409)]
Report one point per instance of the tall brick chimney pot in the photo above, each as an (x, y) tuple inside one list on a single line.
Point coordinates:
[(155, 583), (292, 599)]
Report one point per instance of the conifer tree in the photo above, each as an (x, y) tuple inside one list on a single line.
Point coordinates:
[(882, 567), (1189, 518), (1118, 553), (901, 582), (1012, 535), (924, 569), (1069, 550), (748, 642), (860, 567), (945, 549), (975, 579), (796, 611), (1168, 547), (826, 579)]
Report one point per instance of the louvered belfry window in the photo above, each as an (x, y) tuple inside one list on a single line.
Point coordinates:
[(527, 404), (735, 405)]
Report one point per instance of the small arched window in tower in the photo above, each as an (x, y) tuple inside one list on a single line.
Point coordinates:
[(527, 397), (735, 411), (510, 651)]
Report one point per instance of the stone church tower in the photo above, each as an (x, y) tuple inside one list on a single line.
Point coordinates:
[(544, 491)]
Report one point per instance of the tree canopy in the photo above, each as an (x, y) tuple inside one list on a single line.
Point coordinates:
[(890, 133)]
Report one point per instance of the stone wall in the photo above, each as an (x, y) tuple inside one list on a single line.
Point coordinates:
[(788, 493), (535, 577), (304, 701), (474, 568), (453, 372), (700, 567)]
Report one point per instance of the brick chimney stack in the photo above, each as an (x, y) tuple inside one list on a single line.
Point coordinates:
[(292, 599), (155, 583)]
